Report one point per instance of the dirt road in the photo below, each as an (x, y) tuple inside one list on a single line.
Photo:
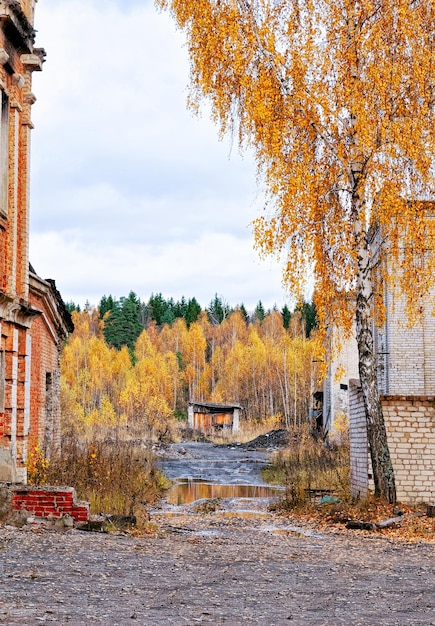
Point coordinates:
[(213, 570)]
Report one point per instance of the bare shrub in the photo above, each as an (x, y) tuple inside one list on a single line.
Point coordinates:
[(114, 476), (308, 466)]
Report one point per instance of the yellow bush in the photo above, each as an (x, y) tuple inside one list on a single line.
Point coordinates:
[(37, 465)]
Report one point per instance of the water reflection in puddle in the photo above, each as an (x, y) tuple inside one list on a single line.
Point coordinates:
[(188, 491)]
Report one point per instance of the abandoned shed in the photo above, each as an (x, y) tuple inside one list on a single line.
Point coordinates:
[(205, 416)]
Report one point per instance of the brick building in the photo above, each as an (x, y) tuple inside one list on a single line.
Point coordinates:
[(406, 378), (31, 314), (48, 331), (336, 383)]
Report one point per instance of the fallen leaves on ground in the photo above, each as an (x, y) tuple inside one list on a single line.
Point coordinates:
[(414, 526)]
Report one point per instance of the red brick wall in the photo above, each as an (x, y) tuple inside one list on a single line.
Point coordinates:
[(49, 502), (44, 410), (13, 430), (14, 237)]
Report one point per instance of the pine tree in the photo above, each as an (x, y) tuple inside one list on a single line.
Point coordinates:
[(122, 326), (244, 312), (106, 304), (193, 310), (259, 313), (286, 316)]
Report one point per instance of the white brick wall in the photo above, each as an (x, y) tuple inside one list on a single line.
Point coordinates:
[(406, 374), (343, 367), (360, 464), (406, 356), (410, 425)]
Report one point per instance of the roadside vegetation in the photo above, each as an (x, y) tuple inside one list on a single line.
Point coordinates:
[(316, 475), (114, 476), (312, 469), (129, 370)]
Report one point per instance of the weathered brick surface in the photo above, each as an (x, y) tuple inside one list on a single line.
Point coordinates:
[(49, 502), (45, 370), (32, 320), (410, 425), (16, 38), (358, 442), (406, 355), (343, 367)]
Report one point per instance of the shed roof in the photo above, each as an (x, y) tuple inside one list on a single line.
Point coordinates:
[(218, 406)]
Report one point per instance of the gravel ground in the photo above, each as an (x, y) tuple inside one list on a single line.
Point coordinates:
[(214, 569)]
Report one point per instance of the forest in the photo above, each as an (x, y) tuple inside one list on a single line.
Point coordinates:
[(136, 365)]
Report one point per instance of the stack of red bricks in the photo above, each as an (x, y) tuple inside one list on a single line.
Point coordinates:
[(49, 502)]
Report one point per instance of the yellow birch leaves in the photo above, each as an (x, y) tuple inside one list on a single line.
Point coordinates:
[(261, 366), (336, 99)]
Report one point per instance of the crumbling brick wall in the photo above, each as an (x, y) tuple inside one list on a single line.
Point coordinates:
[(49, 502), (360, 463), (45, 380), (18, 60)]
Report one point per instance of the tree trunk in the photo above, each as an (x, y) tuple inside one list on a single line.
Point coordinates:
[(383, 473)]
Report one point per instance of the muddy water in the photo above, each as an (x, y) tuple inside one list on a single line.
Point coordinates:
[(186, 491), (203, 471)]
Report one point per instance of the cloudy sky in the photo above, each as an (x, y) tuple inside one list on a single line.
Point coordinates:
[(130, 191)]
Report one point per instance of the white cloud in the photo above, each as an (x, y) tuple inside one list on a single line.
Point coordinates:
[(216, 263), (129, 190)]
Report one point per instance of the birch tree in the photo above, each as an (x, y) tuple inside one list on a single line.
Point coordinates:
[(336, 100)]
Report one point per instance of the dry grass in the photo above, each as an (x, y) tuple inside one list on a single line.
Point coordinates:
[(114, 476), (308, 466)]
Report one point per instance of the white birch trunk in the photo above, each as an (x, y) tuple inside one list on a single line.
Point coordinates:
[(383, 473)]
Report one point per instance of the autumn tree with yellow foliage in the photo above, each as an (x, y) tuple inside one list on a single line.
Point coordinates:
[(264, 367), (93, 376), (336, 100)]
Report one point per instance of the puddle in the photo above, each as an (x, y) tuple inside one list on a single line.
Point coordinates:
[(219, 480), (186, 491), (213, 484)]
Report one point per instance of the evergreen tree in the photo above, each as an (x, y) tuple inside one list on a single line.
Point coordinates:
[(286, 316), (259, 312), (158, 306), (123, 326), (106, 304), (168, 317), (180, 308), (244, 312), (193, 310), (72, 306), (113, 327), (218, 310), (309, 316)]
